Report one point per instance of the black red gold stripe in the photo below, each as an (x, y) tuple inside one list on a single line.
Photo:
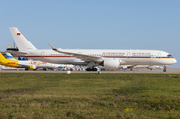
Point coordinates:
[(103, 56)]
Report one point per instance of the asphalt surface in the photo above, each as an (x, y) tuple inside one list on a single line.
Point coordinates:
[(169, 71)]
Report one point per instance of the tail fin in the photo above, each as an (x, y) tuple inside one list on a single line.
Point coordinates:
[(22, 58), (21, 42), (2, 57), (9, 56)]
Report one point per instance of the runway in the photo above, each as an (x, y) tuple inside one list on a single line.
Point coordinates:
[(169, 71)]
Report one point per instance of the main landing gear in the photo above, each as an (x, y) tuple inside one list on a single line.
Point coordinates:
[(91, 69)]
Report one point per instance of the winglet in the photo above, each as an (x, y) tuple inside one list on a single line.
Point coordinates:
[(52, 47)]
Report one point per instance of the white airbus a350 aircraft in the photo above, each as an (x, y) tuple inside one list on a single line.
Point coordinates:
[(109, 59)]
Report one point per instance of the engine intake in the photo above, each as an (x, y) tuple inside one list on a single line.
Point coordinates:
[(32, 67)]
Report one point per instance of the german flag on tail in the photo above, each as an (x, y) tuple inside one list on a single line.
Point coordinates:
[(18, 34)]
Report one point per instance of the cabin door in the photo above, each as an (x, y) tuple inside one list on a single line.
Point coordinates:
[(42, 54), (128, 55), (159, 55)]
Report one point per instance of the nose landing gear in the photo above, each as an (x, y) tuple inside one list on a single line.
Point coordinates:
[(164, 70)]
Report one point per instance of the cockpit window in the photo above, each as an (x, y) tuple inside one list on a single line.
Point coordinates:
[(169, 55)]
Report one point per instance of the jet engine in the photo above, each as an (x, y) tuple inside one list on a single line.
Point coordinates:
[(32, 67), (111, 63)]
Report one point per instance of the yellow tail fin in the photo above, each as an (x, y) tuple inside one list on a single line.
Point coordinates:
[(2, 57)]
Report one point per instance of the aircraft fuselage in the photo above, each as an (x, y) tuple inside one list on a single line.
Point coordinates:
[(127, 57)]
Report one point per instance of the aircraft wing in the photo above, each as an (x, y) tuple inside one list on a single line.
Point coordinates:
[(27, 65), (80, 56), (128, 66), (24, 65)]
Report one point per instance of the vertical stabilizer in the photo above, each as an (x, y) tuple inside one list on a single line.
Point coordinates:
[(22, 43), (2, 58), (9, 56)]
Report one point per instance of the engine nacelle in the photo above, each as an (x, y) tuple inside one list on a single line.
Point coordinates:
[(32, 67), (111, 64)]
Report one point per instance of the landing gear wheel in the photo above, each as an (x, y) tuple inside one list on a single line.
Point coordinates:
[(89, 69), (94, 69)]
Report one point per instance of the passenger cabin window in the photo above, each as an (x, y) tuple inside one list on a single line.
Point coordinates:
[(169, 55)]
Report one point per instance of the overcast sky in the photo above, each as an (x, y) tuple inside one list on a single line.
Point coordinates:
[(94, 24)]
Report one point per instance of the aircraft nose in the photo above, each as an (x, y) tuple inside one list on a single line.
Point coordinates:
[(174, 60)]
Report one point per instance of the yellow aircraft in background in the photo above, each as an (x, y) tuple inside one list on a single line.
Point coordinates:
[(7, 62), (28, 64)]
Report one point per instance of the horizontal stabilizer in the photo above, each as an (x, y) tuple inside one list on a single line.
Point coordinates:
[(17, 52)]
